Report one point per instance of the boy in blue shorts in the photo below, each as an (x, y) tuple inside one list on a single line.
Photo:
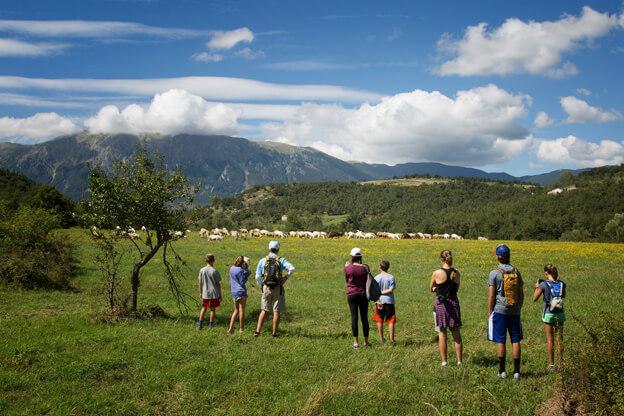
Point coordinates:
[(506, 296)]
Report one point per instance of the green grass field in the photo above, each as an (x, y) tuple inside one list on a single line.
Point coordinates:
[(58, 357)]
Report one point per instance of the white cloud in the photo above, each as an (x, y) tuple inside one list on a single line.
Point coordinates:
[(172, 112), (249, 54), (38, 127), (580, 112), (476, 127), (223, 40), (584, 91), (572, 150), (524, 47), (30, 101), (15, 47), (93, 29), (212, 88), (542, 120), (207, 57)]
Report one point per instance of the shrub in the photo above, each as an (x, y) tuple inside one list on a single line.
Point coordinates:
[(31, 256), (576, 235)]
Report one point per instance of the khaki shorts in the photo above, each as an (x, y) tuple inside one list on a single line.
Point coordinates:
[(273, 299)]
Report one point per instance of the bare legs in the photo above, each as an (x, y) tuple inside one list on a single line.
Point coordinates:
[(455, 332), (238, 313), (550, 341), (262, 317)]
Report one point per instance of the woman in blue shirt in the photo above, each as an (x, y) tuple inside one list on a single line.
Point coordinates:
[(239, 274)]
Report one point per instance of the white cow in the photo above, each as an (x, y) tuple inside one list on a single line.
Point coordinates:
[(215, 237), (482, 238)]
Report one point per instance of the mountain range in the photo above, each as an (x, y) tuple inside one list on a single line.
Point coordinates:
[(223, 165)]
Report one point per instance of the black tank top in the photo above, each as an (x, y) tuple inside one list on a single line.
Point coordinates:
[(448, 286)]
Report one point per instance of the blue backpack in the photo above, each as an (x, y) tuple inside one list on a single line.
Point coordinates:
[(556, 295)]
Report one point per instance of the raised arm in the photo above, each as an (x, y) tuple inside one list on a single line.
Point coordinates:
[(456, 276), (538, 291), (432, 283)]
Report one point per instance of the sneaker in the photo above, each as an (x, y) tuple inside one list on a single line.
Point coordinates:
[(552, 368), (210, 324), (459, 363), (356, 346), (444, 364), (502, 375), (516, 376), (200, 325)]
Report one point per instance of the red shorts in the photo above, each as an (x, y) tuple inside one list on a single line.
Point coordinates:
[(386, 313), (211, 303)]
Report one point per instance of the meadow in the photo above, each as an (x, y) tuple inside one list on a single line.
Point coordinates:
[(59, 357)]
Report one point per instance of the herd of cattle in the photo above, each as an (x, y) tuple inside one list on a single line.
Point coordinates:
[(217, 234)]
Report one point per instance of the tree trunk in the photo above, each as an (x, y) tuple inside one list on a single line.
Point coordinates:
[(134, 279)]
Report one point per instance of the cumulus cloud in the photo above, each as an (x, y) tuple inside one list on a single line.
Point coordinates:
[(572, 150), (543, 120), (524, 47), (172, 112), (15, 47), (229, 39), (38, 127), (212, 88), (476, 127), (580, 111), (93, 29)]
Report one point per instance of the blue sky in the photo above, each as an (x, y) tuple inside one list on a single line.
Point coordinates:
[(524, 87)]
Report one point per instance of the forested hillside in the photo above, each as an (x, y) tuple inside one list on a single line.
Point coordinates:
[(17, 190), (469, 207)]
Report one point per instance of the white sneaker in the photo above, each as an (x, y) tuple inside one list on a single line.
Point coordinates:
[(444, 364), (516, 376), (502, 375), (459, 363)]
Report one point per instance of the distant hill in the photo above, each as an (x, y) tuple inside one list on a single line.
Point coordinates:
[(469, 207), (223, 165)]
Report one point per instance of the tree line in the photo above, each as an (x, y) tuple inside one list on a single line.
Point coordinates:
[(587, 211)]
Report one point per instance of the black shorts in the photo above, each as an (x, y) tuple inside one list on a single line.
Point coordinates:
[(385, 313)]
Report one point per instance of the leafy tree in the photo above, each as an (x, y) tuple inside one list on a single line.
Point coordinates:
[(615, 228), (142, 193)]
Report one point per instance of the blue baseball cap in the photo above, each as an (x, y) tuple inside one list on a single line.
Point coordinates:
[(502, 250)]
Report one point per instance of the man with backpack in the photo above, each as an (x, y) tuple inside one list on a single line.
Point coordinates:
[(271, 274), (506, 296)]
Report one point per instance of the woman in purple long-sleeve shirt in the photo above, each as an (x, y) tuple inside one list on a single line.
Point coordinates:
[(356, 274), (239, 274)]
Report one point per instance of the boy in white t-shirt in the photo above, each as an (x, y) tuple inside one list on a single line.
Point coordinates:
[(384, 307)]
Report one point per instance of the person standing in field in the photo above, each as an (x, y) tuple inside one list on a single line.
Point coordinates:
[(554, 290), (356, 275), (384, 307), (239, 274), (445, 284), (209, 291), (506, 296), (270, 277)]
